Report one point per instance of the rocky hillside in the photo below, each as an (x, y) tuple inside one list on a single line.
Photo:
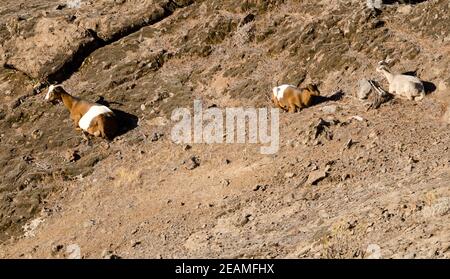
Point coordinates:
[(349, 180)]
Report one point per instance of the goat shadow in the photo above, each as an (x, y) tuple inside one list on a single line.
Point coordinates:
[(322, 99), (428, 86), (127, 121)]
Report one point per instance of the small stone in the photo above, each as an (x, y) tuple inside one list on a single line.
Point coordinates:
[(348, 144), (345, 176), (135, 243), (193, 163), (73, 251), (405, 10), (36, 134), (373, 251), (142, 107), (289, 175), (89, 223), (316, 176), (242, 220), (156, 136), (187, 147), (72, 156), (247, 19), (358, 118), (226, 161), (110, 255), (330, 109), (374, 4), (56, 248), (60, 7), (314, 167), (260, 187), (226, 182), (408, 168)]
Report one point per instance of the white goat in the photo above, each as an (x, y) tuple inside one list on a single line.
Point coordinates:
[(402, 85)]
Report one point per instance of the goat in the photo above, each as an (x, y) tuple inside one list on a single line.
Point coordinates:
[(93, 118), (402, 85), (291, 98)]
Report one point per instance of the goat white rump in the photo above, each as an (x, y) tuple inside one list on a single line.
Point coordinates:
[(93, 112), (278, 91)]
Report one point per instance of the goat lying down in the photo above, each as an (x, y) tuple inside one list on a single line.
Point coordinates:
[(406, 86), (290, 98), (93, 118)]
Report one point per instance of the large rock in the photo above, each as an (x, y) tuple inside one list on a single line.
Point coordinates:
[(51, 44), (364, 89), (60, 39)]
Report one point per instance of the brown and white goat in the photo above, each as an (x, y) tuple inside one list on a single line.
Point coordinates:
[(93, 118), (291, 98)]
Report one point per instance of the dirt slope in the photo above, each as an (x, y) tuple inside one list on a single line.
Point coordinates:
[(382, 187)]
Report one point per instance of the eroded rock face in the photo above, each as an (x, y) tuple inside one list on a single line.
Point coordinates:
[(51, 43), (60, 39)]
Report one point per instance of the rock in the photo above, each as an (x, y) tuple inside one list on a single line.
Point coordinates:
[(65, 40), (72, 156), (405, 10), (373, 251), (135, 243), (364, 89), (348, 144), (227, 162), (226, 182), (45, 46), (345, 176), (60, 7), (193, 163), (110, 255), (260, 187), (89, 223), (316, 176), (73, 252), (73, 4), (36, 134), (330, 109), (321, 127), (156, 136), (187, 147), (31, 227), (374, 4), (247, 19), (143, 107), (358, 118), (242, 220), (56, 248), (289, 175)]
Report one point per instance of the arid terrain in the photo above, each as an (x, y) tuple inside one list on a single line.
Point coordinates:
[(350, 180)]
